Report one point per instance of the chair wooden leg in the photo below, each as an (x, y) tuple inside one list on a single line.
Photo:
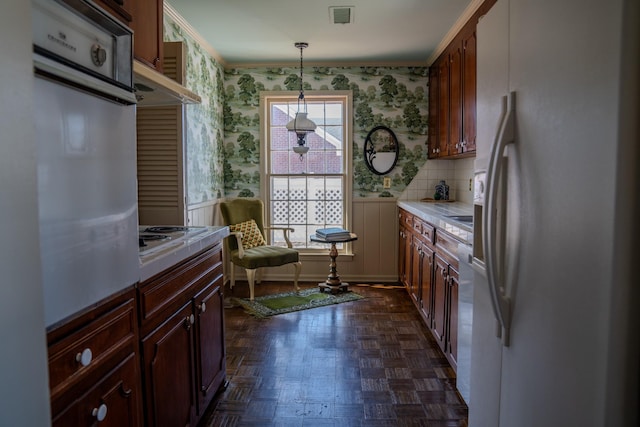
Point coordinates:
[(298, 267), (251, 278)]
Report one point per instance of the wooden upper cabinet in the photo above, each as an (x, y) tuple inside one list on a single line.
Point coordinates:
[(443, 108), (469, 90), (454, 93), (148, 32), (120, 9), (432, 141), (455, 99)]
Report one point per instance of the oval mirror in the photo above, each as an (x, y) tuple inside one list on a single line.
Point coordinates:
[(381, 150)]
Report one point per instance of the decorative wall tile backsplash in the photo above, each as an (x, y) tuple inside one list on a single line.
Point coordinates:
[(457, 173)]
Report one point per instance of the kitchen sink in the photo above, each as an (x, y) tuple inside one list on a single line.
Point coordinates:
[(461, 218)]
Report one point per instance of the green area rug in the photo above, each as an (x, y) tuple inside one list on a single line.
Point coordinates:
[(287, 302)]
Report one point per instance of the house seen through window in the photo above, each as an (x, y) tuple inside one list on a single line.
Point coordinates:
[(313, 190)]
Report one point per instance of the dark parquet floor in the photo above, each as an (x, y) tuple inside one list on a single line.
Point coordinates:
[(370, 362)]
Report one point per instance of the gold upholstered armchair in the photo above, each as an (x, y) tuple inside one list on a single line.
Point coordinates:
[(246, 245)]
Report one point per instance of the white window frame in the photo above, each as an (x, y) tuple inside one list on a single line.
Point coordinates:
[(344, 96)]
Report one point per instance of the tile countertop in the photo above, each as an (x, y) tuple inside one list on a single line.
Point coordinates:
[(167, 255), (437, 214)]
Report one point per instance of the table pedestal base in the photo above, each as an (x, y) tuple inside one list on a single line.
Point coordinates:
[(334, 289), (333, 283)]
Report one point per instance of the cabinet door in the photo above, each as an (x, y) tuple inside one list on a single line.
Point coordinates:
[(416, 264), (168, 369), (113, 401), (148, 32), (439, 325), (452, 330), (443, 108), (210, 343), (408, 259), (469, 91), (455, 100), (432, 144), (402, 247), (426, 281)]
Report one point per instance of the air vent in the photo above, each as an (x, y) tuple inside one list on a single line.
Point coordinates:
[(341, 14)]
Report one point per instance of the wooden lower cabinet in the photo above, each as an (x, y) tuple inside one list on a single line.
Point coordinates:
[(183, 340), (159, 347), (440, 301), (94, 366), (112, 401), (416, 267), (168, 354), (405, 256), (429, 272), (425, 267), (451, 350), (210, 354)]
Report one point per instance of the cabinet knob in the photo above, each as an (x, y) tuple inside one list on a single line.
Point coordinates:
[(85, 357), (188, 321), (100, 413), (202, 307), (156, 60)]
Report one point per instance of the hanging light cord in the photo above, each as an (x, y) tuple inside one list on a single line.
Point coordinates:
[(301, 96), (301, 46)]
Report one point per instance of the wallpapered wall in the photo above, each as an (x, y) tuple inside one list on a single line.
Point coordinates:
[(395, 97), (204, 144)]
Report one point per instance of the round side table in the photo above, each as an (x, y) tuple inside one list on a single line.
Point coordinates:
[(333, 282)]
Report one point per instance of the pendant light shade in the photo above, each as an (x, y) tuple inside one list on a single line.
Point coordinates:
[(301, 125)]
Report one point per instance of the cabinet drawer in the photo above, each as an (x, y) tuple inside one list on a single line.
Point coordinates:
[(116, 397), (175, 287), (447, 247), (86, 350), (406, 218), (426, 230)]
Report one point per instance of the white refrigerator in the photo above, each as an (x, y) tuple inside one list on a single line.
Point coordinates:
[(554, 343)]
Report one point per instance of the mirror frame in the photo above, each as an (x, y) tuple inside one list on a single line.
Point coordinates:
[(370, 149)]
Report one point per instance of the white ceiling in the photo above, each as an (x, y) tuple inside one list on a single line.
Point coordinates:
[(384, 32)]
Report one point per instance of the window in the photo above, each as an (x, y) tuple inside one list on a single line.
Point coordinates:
[(314, 190)]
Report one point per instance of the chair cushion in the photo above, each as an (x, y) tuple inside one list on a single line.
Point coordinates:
[(265, 256), (251, 235)]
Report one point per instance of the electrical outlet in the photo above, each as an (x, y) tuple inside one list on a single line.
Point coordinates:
[(386, 182)]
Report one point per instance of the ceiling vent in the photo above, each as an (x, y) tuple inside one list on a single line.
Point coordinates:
[(341, 14)]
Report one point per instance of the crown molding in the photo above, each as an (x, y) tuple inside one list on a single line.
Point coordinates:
[(462, 20), (331, 64), (173, 14)]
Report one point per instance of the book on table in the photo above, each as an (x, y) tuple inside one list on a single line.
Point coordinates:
[(333, 233)]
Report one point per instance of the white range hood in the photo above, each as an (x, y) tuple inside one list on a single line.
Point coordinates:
[(154, 89)]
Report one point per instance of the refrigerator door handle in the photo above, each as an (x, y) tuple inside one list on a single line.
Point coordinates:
[(500, 302)]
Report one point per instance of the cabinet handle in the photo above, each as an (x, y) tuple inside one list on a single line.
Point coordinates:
[(202, 307), (85, 357), (125, 392), (156, 60), (100, 413), (188, 321)]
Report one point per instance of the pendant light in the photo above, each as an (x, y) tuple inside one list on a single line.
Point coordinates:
[(300, 124)]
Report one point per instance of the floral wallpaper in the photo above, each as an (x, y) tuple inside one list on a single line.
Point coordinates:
[(204, 149), (395, 97), (217, 129)]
